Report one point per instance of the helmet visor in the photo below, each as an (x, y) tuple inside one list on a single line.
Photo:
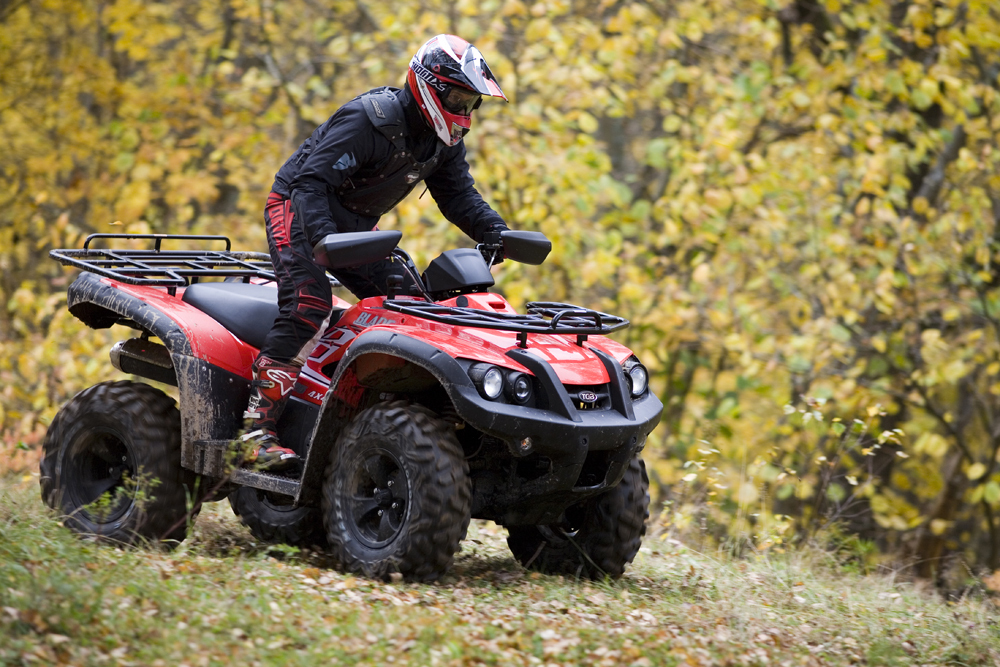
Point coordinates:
[(478, 73), (460, 100)]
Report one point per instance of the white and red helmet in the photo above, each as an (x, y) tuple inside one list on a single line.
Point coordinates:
[(448, 78)]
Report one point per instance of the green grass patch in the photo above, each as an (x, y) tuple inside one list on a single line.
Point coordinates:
[(221, 598)]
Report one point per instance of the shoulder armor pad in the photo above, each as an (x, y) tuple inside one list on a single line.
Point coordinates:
[(386, 114)]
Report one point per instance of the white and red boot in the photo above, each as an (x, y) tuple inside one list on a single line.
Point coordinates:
[(272, 383)]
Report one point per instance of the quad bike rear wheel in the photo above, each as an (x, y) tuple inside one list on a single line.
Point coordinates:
[(111, 464), (397, 495), (598, 538), (273, 518)]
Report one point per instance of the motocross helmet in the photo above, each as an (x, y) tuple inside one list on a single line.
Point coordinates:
[(448, 78)]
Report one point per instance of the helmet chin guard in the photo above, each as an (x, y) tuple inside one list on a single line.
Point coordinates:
[(445, 76)]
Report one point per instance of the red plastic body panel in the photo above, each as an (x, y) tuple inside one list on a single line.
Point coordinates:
[(211, 342), (573, 364)]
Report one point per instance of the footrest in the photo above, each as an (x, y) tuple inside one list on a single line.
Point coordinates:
[(286, 486), (215, 459)]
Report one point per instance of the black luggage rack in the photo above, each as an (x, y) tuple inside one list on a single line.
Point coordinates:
[(166, 268), (543, 317)]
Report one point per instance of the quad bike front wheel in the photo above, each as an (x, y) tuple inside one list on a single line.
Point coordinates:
[(598, 538), (273, 518), (111, 464), (397, 494)]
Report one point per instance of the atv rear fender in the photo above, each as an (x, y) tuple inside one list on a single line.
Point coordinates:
[(212, 398)]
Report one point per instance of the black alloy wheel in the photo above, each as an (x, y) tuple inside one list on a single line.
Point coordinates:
[(100, 466), (397, 496), (377, 508), (111, 465)]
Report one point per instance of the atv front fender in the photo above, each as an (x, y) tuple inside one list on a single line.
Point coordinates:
[(566, 439), (341, 402)]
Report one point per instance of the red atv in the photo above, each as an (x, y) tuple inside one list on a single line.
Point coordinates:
[(414, 413)]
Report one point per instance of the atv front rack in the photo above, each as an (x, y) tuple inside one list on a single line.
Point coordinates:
[(543, 317), (166, 268)]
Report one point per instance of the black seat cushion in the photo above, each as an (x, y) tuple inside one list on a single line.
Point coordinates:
[(246, 310)]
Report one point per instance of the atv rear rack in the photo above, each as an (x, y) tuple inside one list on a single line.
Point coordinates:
[(166, 268), (543, 317)]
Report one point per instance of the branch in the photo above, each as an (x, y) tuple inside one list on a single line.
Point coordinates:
[(931, 185), (8, 7), (272, 69), (957, 435)]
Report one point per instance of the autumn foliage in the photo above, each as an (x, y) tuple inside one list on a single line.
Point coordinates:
[(797, 205)]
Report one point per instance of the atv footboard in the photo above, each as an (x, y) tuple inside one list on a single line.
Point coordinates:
[(527, 464)]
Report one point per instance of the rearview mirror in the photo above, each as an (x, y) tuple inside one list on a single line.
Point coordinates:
[(342, 251), (525, 247)]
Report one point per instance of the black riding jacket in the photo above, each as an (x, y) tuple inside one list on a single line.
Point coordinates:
[(350, 172)]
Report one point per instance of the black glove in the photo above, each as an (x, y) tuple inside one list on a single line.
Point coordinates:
[(492, 245), (492, 234)]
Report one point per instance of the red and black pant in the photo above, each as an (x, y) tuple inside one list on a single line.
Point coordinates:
[(304, 294)]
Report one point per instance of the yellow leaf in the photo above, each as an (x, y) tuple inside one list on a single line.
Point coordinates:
[(975, 471), (932, 444), (992, 582), (748, 493), (587, 122), (672, 123), (938, 526), (800, 99)]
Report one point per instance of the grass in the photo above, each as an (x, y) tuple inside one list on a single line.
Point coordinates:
[(220, 598)]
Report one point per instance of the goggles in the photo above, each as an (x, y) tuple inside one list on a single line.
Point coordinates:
[(460, 101)]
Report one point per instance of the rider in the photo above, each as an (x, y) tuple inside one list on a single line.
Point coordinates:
[(354, 168)]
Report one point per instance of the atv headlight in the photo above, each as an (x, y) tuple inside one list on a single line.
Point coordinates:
[(518, 387), (638, 377), (488, 380)]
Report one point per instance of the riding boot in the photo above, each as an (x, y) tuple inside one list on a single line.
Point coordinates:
[(272, 383)]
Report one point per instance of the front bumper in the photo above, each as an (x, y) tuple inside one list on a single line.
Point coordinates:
[(552, 434), (588, 451)]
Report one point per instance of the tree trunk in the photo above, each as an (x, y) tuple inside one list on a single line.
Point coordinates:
[(929, 547)]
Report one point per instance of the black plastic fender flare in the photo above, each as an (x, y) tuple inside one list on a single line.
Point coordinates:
[(334, 414), (211, 399), (96, 303)]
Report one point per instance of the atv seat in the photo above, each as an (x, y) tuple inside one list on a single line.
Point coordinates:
[(245, 309)]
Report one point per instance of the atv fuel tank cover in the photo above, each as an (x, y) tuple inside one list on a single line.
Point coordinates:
[(459, 269)]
